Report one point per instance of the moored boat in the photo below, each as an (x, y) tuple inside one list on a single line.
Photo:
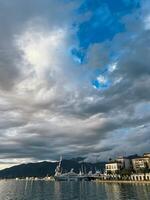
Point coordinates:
[(69, 176)]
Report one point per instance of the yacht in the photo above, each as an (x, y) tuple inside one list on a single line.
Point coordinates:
[(69, 176)]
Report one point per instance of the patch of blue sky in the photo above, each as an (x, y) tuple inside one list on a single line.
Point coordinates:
[(93, 31), (105, 21), (101, 80), (101, 71), (114, 55), (78, 55), (104, 24), (98, 29), (114, 5), (100, 85)]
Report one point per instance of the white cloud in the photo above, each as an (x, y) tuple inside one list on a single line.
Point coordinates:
[(147, 22), (101, 79), (43, 51), (112, 67), (44, 62)]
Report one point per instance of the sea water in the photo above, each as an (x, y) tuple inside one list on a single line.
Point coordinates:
[(51, 190)]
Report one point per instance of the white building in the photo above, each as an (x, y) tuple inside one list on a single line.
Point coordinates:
[(120, 163), (113, 167), (146, 155)]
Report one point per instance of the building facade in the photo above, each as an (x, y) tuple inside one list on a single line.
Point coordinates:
[(126, 164), (113, 167), (117, 165), (140, 177), (141, 162)]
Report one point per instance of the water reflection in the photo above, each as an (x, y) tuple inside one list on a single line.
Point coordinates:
[(127, 191), (45, 190)]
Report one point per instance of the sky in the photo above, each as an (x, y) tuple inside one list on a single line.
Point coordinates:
[(74, 79)]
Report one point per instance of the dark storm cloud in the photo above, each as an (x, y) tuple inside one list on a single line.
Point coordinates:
[(8, 70)]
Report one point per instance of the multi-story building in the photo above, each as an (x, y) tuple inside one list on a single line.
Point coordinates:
[(131, 162), (113, 167), (117, 165), (146, 154), (141, 162), (126, 164)]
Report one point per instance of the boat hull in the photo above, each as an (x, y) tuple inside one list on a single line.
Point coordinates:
[(65, 178)]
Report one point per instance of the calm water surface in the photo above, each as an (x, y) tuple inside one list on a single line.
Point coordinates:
[(46, 190)]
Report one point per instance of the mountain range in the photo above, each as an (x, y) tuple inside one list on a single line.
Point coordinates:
[(43, 169)]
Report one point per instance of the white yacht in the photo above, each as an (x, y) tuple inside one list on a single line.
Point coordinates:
[(69, 176)]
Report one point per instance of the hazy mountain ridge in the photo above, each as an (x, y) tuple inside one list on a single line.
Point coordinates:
[(42, 169)]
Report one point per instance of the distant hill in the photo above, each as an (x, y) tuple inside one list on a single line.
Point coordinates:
[(42, 169)]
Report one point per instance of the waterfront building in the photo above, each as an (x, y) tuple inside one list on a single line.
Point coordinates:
[(141, 162), (113, 167), (126, 164), (117, 165), (146, 154), (140, 177)]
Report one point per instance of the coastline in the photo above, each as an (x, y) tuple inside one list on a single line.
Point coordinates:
[(122, 181), (96, 181)]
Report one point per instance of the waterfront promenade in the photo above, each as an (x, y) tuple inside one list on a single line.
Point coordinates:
[(122, 181)]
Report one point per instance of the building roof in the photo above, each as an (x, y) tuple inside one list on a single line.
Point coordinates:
[(146, 154), (133, 156), (141, 157), (112, 162)]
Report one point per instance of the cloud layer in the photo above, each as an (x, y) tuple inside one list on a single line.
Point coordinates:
[(59, 96)]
